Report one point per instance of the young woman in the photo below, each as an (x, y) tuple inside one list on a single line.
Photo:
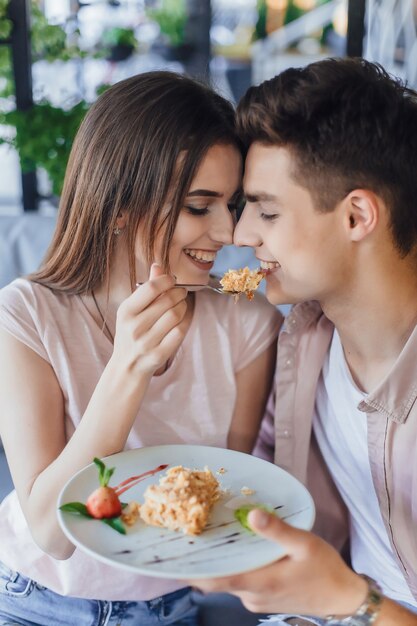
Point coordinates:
[(91, 365)]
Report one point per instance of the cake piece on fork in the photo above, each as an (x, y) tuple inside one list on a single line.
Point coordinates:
[(242, 281)]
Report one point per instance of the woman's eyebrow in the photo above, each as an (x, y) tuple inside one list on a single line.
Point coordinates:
[(205, 192)]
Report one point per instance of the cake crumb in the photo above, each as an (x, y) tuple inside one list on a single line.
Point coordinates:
[(131, 513)]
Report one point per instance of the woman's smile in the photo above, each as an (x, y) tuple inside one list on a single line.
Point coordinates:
[(203, 259)]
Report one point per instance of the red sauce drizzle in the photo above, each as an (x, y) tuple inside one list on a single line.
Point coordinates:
[(134, 480)]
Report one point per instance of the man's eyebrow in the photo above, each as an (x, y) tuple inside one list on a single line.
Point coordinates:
[(261, 197), (205, 192)]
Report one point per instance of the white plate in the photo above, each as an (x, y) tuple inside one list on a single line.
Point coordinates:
[(224, 547)]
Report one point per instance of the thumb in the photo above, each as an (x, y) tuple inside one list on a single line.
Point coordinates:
[(155, 271), (271, 527)]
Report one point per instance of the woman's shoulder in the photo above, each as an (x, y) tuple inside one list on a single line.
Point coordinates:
[(26, 299), (17, 291), (29, 310), (24, 291)]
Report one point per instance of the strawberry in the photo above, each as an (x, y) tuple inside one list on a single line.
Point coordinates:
[(104, 501)]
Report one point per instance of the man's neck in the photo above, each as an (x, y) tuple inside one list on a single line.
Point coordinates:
[(374, 321)]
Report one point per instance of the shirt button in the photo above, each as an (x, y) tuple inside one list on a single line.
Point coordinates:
[(292, 323)]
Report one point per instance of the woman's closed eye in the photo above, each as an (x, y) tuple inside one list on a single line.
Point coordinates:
[(198, 211)]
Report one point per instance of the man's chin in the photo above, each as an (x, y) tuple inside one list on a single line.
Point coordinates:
[(278, 297)]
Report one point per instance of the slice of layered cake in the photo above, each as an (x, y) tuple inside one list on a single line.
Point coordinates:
[(181, 501)]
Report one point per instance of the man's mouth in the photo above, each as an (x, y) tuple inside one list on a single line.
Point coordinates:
[(269, 266), (202, 256)]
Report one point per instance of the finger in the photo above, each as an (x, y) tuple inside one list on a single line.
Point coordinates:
[(147, 293), (213, 585), (153, 317), (155, 271), (272, 527), (159, 336)]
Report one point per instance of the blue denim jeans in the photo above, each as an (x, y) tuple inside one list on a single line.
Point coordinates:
[(25, 603)]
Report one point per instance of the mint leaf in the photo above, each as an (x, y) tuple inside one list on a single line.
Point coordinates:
[(104, 473), (107, 475), (78, 508), (115, 523), (101, 470), (75, 507), (241, 514)]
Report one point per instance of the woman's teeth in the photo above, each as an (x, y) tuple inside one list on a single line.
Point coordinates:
[(201, 255), (268, 265)]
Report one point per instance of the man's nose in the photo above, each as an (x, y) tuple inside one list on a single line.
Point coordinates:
[(245, 233)]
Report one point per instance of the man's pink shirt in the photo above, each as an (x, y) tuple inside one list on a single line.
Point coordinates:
[(391, 412)]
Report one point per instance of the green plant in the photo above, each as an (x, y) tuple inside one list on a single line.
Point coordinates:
[(294, 10), (260, 26), (44, 133), (48, 42), (6, 25), (44, 136), (119, 37), (171, 16)]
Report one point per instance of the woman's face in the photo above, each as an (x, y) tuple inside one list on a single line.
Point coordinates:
[(206, 222)]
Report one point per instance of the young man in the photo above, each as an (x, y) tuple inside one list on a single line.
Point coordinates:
[(331, 189)]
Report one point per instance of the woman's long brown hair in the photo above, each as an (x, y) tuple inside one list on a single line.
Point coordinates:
[(126, 157)]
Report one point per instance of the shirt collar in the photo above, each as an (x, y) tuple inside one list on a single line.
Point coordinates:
[(396, 394)]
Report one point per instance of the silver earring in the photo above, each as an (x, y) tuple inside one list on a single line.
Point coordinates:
[(117, 231)]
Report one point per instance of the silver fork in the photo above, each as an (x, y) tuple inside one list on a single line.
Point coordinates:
[(194, 287)]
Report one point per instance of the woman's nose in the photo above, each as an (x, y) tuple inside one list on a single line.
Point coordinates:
[(245, 233), (222, 230)]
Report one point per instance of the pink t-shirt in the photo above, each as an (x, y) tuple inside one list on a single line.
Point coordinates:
[(223, 338)]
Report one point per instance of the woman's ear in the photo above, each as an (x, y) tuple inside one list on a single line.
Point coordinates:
[(362, 213), (121, 220)]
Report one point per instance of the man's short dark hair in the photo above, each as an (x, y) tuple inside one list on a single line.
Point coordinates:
[(348, 124)]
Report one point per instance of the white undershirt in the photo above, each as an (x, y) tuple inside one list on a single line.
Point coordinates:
[(341, 432)]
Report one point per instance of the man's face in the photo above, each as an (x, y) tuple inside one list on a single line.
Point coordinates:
[(303, 250)]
